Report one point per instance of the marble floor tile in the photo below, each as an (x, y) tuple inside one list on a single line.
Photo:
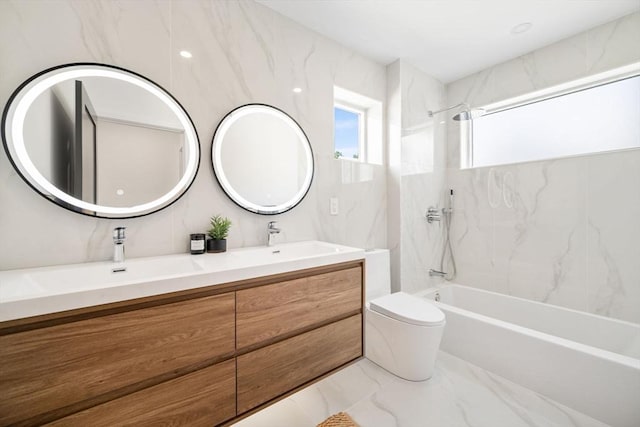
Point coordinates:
[(459, 394)]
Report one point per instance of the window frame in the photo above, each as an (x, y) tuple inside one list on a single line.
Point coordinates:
[(372, 127), (361, 112), (567, 88)]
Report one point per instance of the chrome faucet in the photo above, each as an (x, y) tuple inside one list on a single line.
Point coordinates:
[(272, 230), (118, 244)]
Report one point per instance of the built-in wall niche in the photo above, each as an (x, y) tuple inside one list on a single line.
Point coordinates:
[(100, 140)]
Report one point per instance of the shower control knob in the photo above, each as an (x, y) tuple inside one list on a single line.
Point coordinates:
[(433, 214)]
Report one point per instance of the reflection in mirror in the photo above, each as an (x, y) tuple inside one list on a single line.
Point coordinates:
[(101, 140), (262, 159)]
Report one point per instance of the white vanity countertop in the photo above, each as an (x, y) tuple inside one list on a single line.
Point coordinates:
[(37, 291)]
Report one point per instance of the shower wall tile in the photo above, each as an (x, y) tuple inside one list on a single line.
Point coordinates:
[(421, 242), (554, 64), (242, 52), (614, 44), (613, 233), (540, 231), (476, 89), (472, 235), (562, 231)]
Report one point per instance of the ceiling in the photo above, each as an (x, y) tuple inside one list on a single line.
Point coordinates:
[(449, 39)]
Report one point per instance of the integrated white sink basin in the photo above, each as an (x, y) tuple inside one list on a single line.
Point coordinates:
[(280, 253), (99, 275), (36, 291)]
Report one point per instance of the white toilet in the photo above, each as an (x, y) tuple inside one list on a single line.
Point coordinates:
[(402, 332)]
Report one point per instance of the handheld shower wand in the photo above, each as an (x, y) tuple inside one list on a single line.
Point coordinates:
[(449, 209), (447, 213)]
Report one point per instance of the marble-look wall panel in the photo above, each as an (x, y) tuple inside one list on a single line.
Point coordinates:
[(613, 234), (613, 44), (540, 232), (242, 52), (472, 234), (561, 231)]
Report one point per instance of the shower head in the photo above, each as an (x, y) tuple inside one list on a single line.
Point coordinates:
[(469, 114), (466, 114)]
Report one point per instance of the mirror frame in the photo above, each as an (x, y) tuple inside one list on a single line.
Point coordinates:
[(238, 199), (17, 154)]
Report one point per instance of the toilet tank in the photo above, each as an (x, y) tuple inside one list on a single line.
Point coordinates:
[(377, 274)]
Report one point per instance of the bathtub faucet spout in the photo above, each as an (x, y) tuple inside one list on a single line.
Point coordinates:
[(436, 273)]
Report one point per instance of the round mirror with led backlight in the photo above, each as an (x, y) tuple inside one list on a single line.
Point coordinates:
[(100, 140), (262, 159)]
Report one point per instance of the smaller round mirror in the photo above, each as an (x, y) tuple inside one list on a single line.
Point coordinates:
[(262, 159)]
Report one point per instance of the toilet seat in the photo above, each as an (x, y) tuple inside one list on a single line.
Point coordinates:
[(409, 309)]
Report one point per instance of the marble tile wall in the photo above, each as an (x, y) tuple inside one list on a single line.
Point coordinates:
[(417, 166), (562, 231), (242, 52)]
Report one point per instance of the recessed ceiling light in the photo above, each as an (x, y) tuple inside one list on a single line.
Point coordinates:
[(185, 54), (297, 90), (521, 28)]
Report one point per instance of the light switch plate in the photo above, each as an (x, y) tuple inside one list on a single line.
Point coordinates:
[(333, 203)]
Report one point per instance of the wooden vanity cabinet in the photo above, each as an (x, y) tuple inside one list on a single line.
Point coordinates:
[(57, 368), (200, 357), (202, 398), (269, 312), (273, 370)]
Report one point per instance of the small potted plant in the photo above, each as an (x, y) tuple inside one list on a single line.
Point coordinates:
[(218, 234)]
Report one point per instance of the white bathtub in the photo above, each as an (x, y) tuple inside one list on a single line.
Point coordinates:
[(587, 362)]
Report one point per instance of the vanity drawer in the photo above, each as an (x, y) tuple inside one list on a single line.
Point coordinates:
[(202, 398), (271, 371), (45, 369), (267, 312)]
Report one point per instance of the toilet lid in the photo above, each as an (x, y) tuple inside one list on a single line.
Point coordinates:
[(408, 308)]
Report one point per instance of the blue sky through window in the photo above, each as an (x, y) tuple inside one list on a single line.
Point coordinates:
[(346, 128)]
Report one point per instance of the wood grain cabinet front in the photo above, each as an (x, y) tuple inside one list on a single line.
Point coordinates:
[(265, 313), (203, 398), (53, 371), (269, 372), (200, 357)]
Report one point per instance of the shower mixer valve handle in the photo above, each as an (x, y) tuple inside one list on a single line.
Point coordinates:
[(433, 214)]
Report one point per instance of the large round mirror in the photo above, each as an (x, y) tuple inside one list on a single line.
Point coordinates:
[(262, 159), (100, 140)]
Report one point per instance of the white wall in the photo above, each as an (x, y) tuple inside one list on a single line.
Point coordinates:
[(242, 53), (562, 231)]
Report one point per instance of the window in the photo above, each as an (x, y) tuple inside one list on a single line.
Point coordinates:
[(357, 127), (597, 115), (348, 133)]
